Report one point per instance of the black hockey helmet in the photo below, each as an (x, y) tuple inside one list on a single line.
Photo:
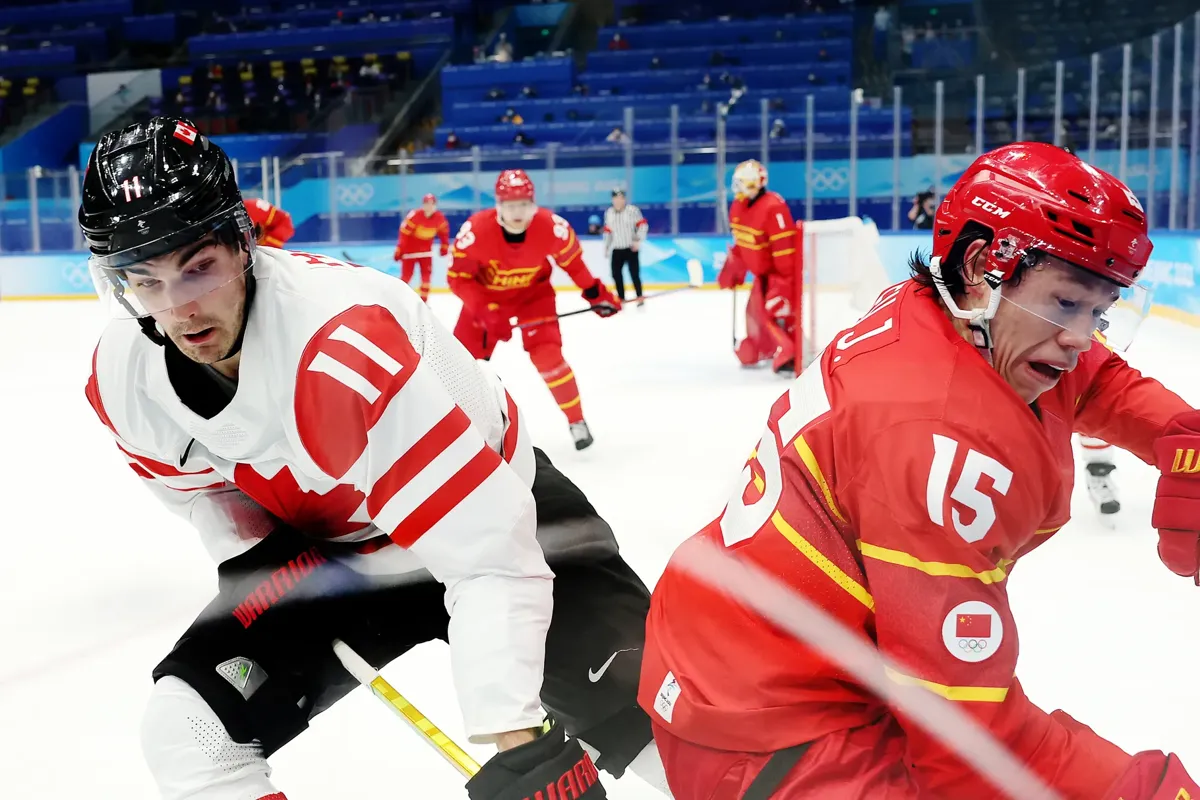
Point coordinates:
[(150, 189)]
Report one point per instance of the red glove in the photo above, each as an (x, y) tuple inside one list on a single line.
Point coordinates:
[(1177, 503), (604, 302), (496, 323), (779, 297), (1153, 776), (733, 273), (445, 249), (398, 255)]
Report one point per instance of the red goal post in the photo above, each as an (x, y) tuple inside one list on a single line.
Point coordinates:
[(836, 256)]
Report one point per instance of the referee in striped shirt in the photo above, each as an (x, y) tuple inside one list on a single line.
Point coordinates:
[(624, 231)]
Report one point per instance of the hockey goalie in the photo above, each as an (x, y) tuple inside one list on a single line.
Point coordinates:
[(765, 246)]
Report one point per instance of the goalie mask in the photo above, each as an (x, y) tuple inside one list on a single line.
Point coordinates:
[(749, 178)]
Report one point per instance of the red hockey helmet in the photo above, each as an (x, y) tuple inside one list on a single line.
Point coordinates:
[(514, 184), (429, 198), (1035, 196)]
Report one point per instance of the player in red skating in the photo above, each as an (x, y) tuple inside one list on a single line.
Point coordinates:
[(501, 270), (414, 248), (355, 474), (272, 226), (764, 245), (896, 484)]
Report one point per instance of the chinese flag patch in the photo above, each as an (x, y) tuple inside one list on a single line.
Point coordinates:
[(185, 132), (974, 626)]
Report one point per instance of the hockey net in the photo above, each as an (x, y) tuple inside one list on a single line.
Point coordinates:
[(840, 256)]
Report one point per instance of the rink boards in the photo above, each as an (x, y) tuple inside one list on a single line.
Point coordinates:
[(1172, 271)]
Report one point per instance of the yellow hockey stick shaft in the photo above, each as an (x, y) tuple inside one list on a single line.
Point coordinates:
[(369, 677)]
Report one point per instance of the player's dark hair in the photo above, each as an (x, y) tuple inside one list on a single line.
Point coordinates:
[(953, 273)]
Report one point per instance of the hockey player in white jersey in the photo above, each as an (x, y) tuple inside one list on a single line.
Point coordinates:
[(355, 474)]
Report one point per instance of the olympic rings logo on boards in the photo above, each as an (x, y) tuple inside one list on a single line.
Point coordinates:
[(354, 194)]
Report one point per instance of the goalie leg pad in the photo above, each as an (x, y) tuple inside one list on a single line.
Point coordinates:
[(191, 754)]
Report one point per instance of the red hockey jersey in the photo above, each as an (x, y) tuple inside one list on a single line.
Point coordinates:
[(896, 486), (487, 269), (764, 234), (273, 226), (419, 230)]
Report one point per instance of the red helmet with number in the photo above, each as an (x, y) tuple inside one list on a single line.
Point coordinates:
[(1035, 196), (514, 184)]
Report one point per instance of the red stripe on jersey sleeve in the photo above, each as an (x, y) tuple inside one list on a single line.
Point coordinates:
[(160, 467), (417, 458), (140, 470), (92, 390), (448, 495), (332, 417), (510, 435)]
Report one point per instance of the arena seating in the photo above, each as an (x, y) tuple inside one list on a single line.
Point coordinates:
[(697, 66)]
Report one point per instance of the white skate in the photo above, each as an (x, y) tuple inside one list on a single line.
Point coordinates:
[(581, 435), (1102, 489)]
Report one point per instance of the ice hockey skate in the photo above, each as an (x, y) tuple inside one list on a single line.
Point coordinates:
[(1102, 488), (581, 434)]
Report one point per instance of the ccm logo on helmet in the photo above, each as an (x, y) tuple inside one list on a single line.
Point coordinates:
[(991, 208)]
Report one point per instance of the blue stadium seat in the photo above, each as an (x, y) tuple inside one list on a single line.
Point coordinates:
[(831, 50), (722, 33)]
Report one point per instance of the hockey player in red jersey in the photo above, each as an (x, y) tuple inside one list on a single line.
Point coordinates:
[(765, 246), (356, 475), (272, 226), (501, 271), (896, 485), (414, 248)]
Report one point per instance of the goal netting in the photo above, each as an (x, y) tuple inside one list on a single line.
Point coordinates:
[(841, 256)]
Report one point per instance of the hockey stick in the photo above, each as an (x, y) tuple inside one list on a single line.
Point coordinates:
[(791, 611), (365, 674), (733, 325), (695, 281)]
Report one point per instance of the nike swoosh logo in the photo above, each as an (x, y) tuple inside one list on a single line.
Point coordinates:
[(598, 674)]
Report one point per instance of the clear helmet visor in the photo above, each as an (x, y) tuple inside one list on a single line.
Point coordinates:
[(1074, 299), (147, 281)]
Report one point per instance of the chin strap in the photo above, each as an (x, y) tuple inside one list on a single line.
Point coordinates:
[(979, 320)]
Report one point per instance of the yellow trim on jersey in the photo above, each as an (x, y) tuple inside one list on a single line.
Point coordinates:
[(819, 559), (564, 264), (561, 381), (938, 569), (572, 404), (810, 461), (970, 694), (782, 235), (739, 227), (514, 270), (787, 252), (1047, 531)]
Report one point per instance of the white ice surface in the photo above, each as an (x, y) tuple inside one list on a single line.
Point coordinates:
[(96, 581)]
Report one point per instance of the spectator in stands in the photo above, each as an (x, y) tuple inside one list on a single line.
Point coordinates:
[(595, 225), (504, 50), (778, 130), (523, 138), (617, 43), (705, 83), (618, 136), (907, 38), (921, 213), (452, 142), (529, 91), (883, 29), (580, 89)]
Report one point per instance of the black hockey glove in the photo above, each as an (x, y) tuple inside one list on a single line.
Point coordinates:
[(552, 765)]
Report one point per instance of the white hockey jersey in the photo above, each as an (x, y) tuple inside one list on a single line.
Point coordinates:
[(357, 418)]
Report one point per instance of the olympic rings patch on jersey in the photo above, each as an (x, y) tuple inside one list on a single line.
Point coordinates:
[(972, 631)]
